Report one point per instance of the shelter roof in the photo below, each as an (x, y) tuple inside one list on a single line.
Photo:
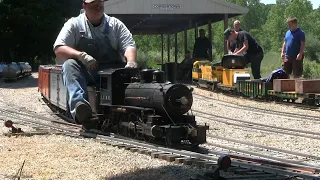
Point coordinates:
[(167, 17)]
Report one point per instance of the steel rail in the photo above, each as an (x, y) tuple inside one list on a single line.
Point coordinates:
[(265, 147), (251, 164), (288, 152), (250, 108), (268, 157), (239, 150), (257, 124), (159, 149)]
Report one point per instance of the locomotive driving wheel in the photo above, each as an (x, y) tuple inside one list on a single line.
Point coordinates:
[(122, 130), (137, 120)]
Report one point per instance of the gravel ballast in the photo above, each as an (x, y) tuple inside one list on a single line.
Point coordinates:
[(272, 139), (60, 157)]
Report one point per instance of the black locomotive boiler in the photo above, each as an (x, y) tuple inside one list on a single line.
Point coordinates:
[(142, 104)]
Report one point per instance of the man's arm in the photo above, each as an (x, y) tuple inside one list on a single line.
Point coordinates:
[(66, 40), (126, 42), (283, 49), (303, 43), (245, 47), (228, 45)]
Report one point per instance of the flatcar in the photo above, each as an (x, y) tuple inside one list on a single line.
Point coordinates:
[(134, 103), (231, 76)]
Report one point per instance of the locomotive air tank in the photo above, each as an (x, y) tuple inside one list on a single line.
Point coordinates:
[(26, 68), (165, 98), (11, 72), (2, 67)]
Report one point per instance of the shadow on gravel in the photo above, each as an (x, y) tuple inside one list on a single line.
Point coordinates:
[(164, 172), (26, 82)]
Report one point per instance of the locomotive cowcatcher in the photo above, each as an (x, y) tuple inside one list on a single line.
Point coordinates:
[(133, 103)]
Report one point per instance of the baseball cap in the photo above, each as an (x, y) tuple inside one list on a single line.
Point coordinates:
[(227, 32), (88, 1)]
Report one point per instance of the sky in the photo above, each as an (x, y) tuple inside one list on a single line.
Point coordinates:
[(315, 3)]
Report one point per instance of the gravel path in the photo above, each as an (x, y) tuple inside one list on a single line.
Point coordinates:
[(287, 142), (64, 158)]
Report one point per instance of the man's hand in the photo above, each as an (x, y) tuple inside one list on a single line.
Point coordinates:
[(282, 55), (299, 56), (88, 61), (131, 64)]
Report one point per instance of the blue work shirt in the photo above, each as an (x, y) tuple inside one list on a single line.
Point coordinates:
[(293, 41)]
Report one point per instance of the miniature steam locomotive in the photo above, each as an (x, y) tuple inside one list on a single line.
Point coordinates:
[(134, 103)]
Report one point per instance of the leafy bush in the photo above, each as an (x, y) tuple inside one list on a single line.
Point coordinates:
[(311, 69)]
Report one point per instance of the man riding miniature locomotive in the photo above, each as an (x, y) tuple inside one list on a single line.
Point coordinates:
[(86, 44)]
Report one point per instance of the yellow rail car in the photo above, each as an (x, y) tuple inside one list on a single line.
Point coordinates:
[(222, 75)]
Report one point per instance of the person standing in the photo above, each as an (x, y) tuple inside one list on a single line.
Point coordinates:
[(231, 45), (293, 47), (245, 43), (202, 46)]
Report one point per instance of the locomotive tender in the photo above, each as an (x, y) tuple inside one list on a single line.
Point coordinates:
[(134, 103)]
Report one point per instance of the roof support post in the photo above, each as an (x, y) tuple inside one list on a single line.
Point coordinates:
[(168, 46), (162, 48), (175, 54), (210, 39), (185, 32), (196, 31), (225, 27), (176, 48)]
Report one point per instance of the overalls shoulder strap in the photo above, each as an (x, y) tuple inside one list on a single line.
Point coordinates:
[(81, 25)]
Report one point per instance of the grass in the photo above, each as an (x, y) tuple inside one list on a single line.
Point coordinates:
[(271, 61)]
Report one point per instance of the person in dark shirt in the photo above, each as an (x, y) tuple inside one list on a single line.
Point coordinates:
[(231, 45), (293, 49), (187, 58), (248, 45), (202, 46)]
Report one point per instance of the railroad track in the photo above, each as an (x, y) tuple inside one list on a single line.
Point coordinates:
[(257, 126), (299, 105), (242, 166), (257, 110), (260, 150)]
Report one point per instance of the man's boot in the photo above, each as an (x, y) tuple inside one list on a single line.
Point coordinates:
[(83, 112)]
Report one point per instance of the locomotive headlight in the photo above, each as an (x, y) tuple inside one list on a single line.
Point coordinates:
[(183, 100)]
